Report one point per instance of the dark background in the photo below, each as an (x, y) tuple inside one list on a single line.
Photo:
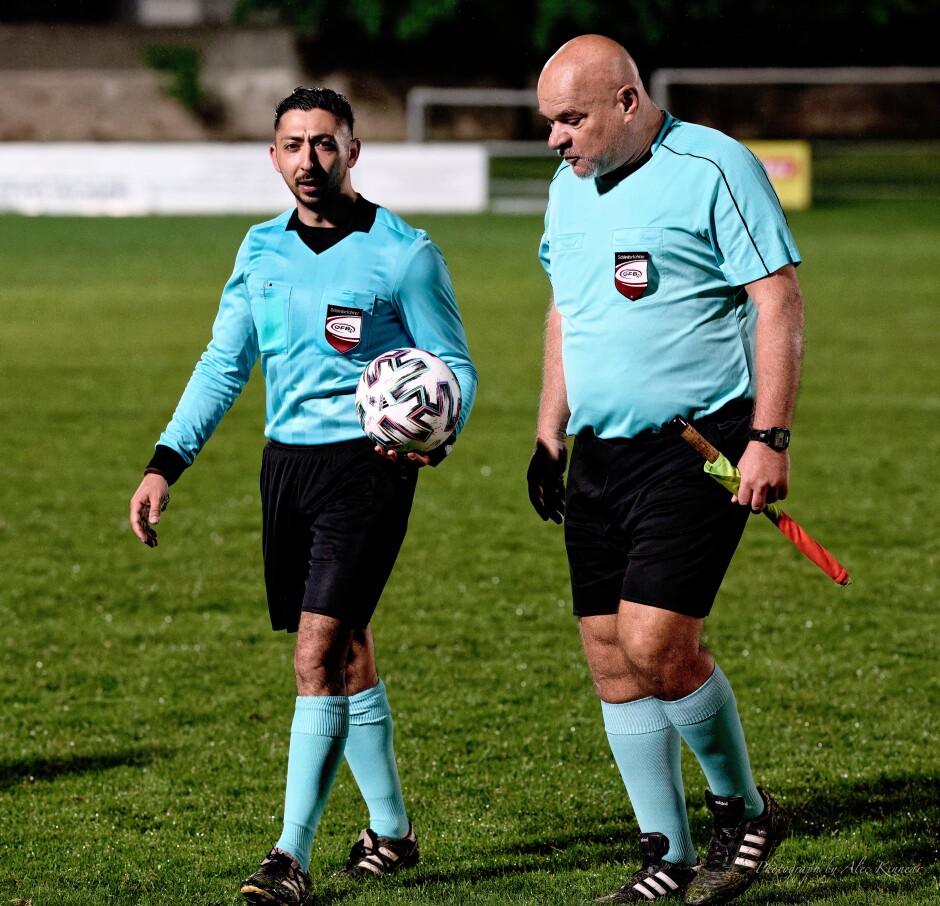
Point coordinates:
[(508, 41), (386, 47)]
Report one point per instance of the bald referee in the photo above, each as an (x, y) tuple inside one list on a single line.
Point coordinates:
[(317, 293), (674, 286)]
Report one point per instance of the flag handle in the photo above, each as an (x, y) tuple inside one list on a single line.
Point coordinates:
[(695, 440)]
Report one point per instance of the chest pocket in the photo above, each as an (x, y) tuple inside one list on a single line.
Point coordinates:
[(270, 310), (344, 321), (567, 242), (565, 268)]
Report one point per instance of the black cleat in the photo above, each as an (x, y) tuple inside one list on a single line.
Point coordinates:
[(280, 881), (374, 856), (739, 849), (657, 879)]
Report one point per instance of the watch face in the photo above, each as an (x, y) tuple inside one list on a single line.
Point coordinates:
[(776, 438)]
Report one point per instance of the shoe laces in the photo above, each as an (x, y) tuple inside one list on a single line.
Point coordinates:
[(723, 845), (366, 844), (281, 857)]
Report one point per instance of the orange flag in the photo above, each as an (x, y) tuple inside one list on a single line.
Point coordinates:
[(725, 473)]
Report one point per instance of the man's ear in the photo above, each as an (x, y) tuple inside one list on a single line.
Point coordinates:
[(355, 146), (273, 152), (629, 99)]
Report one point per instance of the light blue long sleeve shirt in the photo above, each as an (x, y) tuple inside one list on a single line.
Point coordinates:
[(385, 287)]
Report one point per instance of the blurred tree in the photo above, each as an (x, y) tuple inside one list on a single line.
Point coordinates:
[(456, 40)]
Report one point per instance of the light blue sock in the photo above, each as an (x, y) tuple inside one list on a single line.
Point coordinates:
[(708, 721), (647, 748), (317, 738), (371, 756)]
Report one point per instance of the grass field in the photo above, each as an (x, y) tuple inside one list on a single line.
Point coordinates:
[(147, 705)]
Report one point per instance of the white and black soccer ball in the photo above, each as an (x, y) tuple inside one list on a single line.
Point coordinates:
[(408, 400)]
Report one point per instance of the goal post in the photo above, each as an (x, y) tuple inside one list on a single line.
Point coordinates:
[(421, 98), (662, 80), (788, 158)]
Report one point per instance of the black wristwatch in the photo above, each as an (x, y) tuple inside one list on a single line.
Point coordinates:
[(776, 438)]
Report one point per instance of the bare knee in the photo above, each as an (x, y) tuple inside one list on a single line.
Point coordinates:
[(665, 668), (611, 675), (316, 674), (655, 668), (360, 670), (612, 679), (663, 651), (320, 655)]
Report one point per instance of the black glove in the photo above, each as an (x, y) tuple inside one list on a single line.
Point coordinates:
[(546, 478)]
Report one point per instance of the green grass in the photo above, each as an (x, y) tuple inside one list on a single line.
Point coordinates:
[(146, 703)]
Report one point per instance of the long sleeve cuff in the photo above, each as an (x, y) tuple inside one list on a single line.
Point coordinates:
[(438, 454), (166, 462)]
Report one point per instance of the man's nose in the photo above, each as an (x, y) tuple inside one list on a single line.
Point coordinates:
[(310, 161), (557, 137)]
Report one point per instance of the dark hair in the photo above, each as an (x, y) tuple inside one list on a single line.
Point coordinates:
[(316, 99)]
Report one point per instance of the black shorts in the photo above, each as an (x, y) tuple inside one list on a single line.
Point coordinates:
[(334, 519), (644, 523)]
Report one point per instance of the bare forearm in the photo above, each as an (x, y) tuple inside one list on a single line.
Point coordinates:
[(553, 406), (778, 347), (778, 350), (546, 473)]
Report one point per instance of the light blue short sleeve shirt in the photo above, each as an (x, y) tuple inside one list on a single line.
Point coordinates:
[(647, 272)]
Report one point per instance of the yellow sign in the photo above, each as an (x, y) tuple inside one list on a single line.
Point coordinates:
[(789, 165)]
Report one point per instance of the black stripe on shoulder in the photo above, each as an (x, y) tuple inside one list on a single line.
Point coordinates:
[(559, 170), (734, 200)]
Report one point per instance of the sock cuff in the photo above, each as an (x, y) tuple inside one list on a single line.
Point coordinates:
[(321, 715), (645, 715), (702, 704), (369, 706)]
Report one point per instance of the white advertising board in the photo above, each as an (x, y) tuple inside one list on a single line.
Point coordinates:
[(124, 179)]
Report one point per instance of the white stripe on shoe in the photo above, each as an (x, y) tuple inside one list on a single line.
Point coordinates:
[(757, 851), (658, 890), (667, 880)]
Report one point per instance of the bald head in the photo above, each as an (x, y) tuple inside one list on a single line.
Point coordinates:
[(594, 58), (599, 112)]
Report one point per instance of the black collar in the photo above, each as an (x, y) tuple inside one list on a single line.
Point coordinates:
[(609, 180), (319, 239)]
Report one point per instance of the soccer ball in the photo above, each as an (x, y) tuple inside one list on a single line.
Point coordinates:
[(408, 400)]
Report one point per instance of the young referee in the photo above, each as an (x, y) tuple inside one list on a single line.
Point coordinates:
[(335, 506)]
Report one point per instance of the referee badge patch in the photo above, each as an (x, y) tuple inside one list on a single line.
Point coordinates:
[(343, 327), (631, 273)]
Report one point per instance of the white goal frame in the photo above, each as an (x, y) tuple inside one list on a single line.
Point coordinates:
[(662, 80), (422, 97), (660, 85)]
